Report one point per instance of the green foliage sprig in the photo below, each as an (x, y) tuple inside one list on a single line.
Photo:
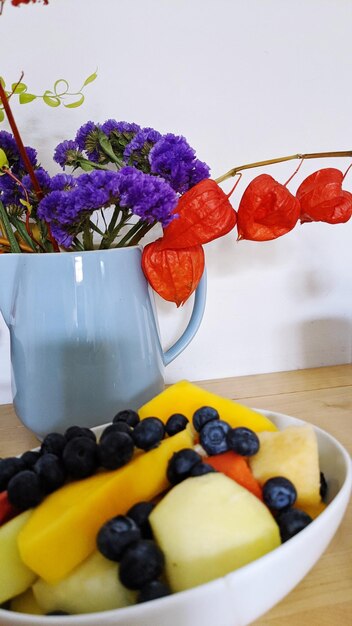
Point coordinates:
[(60, 94)]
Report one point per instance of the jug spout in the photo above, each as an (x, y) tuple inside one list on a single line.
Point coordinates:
[(8, 266)]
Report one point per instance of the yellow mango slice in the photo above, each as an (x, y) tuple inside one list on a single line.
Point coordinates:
[(185, 397), (62, 530)]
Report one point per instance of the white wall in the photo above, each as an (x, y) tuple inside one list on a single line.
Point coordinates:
[(243, 81)]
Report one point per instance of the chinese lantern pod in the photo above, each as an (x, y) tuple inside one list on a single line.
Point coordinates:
[(322, 198), (173, 274), (267, 210), (204, 213)]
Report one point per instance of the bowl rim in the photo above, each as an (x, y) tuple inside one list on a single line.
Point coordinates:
[(341, 499)]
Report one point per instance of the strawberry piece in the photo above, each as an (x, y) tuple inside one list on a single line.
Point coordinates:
[(7, 510)]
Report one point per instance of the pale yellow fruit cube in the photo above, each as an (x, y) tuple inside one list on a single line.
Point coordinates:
[(15, 576), (209, 526), (292, 453)]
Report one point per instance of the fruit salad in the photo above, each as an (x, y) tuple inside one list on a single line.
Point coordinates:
[(186, 490)]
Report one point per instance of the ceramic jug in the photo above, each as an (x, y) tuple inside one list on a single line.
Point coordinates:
[(84, 336)]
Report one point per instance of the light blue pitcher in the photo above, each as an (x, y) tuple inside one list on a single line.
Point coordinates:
[(84, 336)]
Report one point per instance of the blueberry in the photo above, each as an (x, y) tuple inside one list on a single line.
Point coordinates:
[(53, 443), (204, 415), (175, 424), (80, 457), (140, 514), (243, 441), (118, 427), (50, 471), (199, 469), (116, 535), (24, 490), (78, 431), (127, 415), (291, 522), (213, 437), (115, 450), (323, 486), (181, 464), (9, 467), (141, 563), (148, 433), (279, 493), (30, 458), (152, 591)]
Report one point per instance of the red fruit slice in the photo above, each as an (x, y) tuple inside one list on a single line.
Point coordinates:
[(323, 199), (267, 210), (173, 274), (237, 468), (204, 213), (7, 510)]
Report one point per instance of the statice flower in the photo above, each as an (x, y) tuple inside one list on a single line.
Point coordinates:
[(42, 177), (119, 134), (174, 159), (11, 195), (87, 138), (149, 197), (137, 151), (61, 182), (8, 145), (67, 153)]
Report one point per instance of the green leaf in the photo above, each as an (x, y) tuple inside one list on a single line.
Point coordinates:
[(8, 230), (86, 166), (75, 104), (2, 115), (2, 82), (20, 227), (50, 99), (3, 160), (18, 87), (90, 79), (108, 149), (26, 97), (65, 86)]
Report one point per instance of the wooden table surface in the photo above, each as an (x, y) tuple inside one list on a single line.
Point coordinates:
[(322, 396)]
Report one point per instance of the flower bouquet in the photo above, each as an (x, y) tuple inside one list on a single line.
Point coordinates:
[(133, 179)]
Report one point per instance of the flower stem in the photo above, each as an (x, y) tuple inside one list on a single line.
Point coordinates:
[(309, 155)]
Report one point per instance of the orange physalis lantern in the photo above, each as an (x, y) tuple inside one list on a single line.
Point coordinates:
[(267, 210), (204, 213), (173, 274), (323, 199)]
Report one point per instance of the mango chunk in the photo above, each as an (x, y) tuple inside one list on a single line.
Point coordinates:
[(62, 530), (15, 576), (185, 397)]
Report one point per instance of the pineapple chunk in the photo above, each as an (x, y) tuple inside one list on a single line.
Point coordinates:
[(185, 397), (292, 453), (26, 603), (92, 586), (208, 526), (62, 530), (15, 576)]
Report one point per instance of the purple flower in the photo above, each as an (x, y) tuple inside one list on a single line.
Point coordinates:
[(61, 182), (147, 196), (9, 146), (112, 126), (10, 193), (137, 151), (174, 159), (87, 138), (42, 177), (67, 153)]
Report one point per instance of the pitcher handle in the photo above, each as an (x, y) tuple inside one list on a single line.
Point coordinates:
[(193, 324)]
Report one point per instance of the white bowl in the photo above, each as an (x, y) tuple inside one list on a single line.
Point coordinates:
[(230, 601)]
